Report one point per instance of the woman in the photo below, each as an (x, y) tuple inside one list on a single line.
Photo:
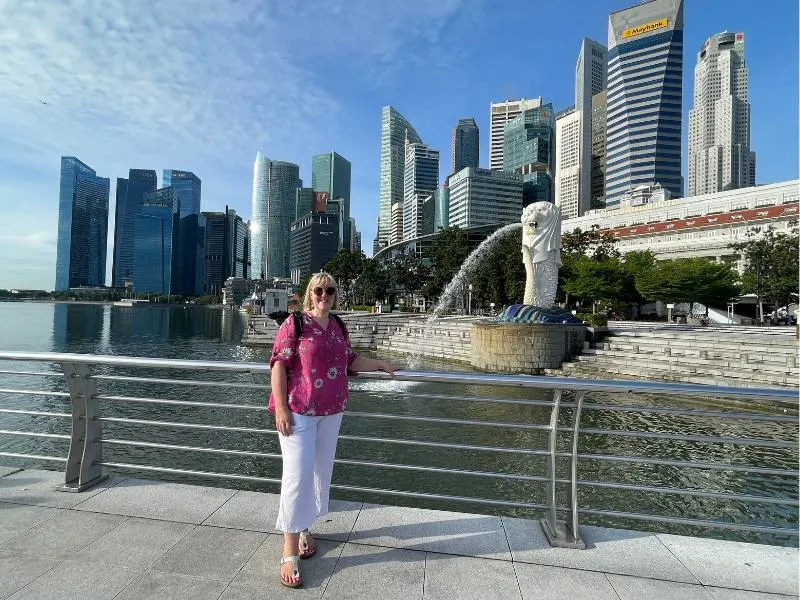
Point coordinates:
[(309, 394)]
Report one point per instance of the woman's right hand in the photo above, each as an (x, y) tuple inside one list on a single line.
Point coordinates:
[(283, 421)]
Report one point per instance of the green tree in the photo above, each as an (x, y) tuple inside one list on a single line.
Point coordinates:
[(373, 283), (771, 265), (690, 280), (598, 280), (408, 272), (446, 253), (637, 263), (594, 243)]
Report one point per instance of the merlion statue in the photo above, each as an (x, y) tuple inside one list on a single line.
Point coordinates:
[(541, 252)]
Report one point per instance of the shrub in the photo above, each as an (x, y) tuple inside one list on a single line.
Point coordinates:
[(593, 319)]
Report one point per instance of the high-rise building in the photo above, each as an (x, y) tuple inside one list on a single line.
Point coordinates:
[(419, 183), (465, 146), (314, 240), (591, 78), (720, 158), (275, 185), (567, 163), (188, 187), (155, 265), (598, 188), (395, 131), (355, 237), (304, 202), (227, 254), (139, 183), (483, 197), (528, 152), (645, 62), (330, 173), (501, 113), (82, 226), (442, 213)]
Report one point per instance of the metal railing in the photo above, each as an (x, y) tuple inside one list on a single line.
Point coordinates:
[(86, 375)]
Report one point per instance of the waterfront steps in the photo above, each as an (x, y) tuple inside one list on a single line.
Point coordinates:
[(448, 338), (135, 539), (733, 356)]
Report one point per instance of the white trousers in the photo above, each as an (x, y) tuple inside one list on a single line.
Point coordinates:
[(307, 469)]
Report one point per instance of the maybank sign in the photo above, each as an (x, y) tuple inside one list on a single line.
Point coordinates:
[(646, 28)]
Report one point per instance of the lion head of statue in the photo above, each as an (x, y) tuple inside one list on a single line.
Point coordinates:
[(541, 231)]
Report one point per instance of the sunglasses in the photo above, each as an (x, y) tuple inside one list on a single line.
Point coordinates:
[(328, 290)]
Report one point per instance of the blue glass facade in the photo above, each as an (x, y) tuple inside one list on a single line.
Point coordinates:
[(82, 226), (330, 173), (644, 99), (139, 183), (528, 151), (465, 147), (155, 259), (188, 187)]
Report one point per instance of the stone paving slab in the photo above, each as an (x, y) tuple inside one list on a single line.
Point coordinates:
[(135, 544), (8, 471), (448, 577), (77, 581), (432, 531), (18, 570), (737, 565), (168, 586), (211, 552), (63, 535), (728, 594), (158, 500), (607, 550), (540, 582), (638, 588), (32, 486), (16, 518)]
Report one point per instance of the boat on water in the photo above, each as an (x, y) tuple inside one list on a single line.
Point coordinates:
[(130, 302)]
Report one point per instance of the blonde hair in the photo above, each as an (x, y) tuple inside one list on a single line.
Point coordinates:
[(321, 279)]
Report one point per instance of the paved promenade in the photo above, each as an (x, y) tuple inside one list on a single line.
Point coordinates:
[(135, 539)]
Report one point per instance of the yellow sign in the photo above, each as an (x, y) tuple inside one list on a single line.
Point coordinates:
[(646, 28)]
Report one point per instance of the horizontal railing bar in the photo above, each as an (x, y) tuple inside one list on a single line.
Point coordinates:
[(448, 421), (686, 492), (430, 396), (189, 382), (32, 456), (184, 425), (742, 441), (38, 413), (685, 521), (348, 488), (689, 412), (60, 436), (341, 461), (34, 392), (135, 399), (357, 438), (36, 373), (679, 463), (786, 395)]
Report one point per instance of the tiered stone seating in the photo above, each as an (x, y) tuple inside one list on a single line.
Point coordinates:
[(730, 356), (448, 338)]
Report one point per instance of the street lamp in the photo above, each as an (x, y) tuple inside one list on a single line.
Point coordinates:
[(469, 300)]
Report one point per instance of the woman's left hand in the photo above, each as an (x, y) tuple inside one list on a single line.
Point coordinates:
[(388, 368)]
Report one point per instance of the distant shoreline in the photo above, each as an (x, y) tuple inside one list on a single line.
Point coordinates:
[(111, 303)]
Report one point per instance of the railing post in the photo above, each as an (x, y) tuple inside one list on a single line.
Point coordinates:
[(85, 453), (558, 532)]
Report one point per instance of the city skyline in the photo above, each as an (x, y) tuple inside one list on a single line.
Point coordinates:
[(188, 116)]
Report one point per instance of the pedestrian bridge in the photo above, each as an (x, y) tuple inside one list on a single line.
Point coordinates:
[(96, 529)]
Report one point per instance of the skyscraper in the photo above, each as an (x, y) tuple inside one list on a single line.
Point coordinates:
[(227, 253), (82, 226), (395, 130), (330, 173), (568, 176), (188, 187), (275, 185), (482, 197), (598, 193), (465, 146), (155, 261), (591, 78), (501, 113), (139, 183), (720, 158), (421, 178), (528, 152), (645, 61)]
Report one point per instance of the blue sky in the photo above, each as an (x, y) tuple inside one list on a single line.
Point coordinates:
[(203, 85)]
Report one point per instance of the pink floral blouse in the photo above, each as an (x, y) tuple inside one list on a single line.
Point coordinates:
[(317, 379)]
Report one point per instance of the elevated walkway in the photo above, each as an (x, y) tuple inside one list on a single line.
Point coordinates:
[(136, 539)]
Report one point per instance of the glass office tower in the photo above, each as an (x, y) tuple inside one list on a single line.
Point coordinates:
[(330, 173), (82, 226), (139, 183), (528, 151), (155, 258), (465, 146), (188, 187), (645, 63)]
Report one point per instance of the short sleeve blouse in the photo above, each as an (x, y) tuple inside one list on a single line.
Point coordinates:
[(317, 366)]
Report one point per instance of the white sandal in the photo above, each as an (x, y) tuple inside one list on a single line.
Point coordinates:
[(295, 560), (304, 546)]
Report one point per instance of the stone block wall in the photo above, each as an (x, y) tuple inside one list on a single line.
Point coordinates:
[(524, 347)]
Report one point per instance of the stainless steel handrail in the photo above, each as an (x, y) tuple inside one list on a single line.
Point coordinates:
[(85, 462)]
